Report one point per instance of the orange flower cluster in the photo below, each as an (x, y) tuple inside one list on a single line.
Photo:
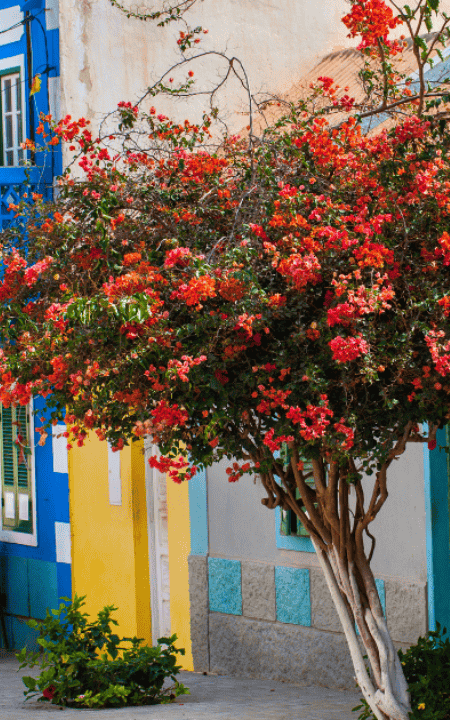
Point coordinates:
[(372, 20)]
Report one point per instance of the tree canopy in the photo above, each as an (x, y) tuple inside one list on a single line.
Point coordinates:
[(267, 298)]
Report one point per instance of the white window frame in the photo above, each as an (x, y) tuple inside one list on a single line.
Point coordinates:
[(17, 126), (12, 536), (17, 61)]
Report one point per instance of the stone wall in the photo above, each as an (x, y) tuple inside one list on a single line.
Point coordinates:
[(260, 620)]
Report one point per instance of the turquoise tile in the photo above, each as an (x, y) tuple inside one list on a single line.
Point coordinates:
[(43, 587), (293, 596), (382, 593), (23, 636), (16, 586), (225, 588)]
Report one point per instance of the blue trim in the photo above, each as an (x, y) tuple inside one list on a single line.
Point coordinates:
[(198, 514), (436, 479), (290, 542), (429, 536)]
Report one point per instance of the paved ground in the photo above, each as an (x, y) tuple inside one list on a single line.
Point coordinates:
[(213, 697)]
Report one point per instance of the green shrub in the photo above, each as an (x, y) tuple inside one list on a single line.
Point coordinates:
[(427, 670), (85, 664)]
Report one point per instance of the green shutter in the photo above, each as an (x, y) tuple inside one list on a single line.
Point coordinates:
[(285, 528), (17, 501), (290, 523)]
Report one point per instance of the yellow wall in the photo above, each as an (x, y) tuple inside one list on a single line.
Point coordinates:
[(179, 549), (109, 543)]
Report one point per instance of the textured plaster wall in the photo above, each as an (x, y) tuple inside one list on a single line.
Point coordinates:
[(400, 527), (106, 57), (241, 527)]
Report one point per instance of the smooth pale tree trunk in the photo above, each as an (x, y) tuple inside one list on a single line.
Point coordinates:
[(389, 697)]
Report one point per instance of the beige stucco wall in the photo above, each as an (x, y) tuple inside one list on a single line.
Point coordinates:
[(106, 57)]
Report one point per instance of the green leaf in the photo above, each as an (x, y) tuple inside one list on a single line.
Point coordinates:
[(29, 682)]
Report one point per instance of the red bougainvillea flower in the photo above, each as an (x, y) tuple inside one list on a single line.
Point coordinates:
[(49, 692), (347, 349)]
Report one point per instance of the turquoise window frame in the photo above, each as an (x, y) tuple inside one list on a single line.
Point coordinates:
[(291, 542), (300, 543)]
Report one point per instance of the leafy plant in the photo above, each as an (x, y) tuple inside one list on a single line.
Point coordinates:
[(427, 670), (86, 664)]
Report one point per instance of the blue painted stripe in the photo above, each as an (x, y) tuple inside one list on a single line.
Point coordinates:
[(198, 514), (429, 536), (435, 75)]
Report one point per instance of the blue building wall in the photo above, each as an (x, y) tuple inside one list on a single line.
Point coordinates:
[(33, 578)]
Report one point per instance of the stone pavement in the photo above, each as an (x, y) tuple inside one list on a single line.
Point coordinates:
[(213, 697)]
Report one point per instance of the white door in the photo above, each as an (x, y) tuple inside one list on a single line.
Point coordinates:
[(158, 546)]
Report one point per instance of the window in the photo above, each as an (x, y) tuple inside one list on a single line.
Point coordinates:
[(12, 118), (17, 476)]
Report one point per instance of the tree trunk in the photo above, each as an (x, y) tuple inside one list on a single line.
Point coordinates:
[(337, 532), (387, 693)]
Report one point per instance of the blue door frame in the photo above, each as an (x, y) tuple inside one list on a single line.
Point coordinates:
[(436, 477)]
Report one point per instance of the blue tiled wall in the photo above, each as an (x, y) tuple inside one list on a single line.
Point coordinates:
[(225, 591), (293, 598)]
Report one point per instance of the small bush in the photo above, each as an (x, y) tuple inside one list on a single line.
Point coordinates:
[(85, 664), (427, 670)]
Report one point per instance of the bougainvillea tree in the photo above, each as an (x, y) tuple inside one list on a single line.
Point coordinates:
[(278, 300)]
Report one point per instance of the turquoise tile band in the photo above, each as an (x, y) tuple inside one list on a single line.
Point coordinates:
[(293, 597), (225, 589)]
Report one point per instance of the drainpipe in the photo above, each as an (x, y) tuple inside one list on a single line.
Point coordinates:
[(30, 81)]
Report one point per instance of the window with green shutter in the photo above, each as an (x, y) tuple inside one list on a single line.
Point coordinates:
[(16, 470), (290, 523)]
